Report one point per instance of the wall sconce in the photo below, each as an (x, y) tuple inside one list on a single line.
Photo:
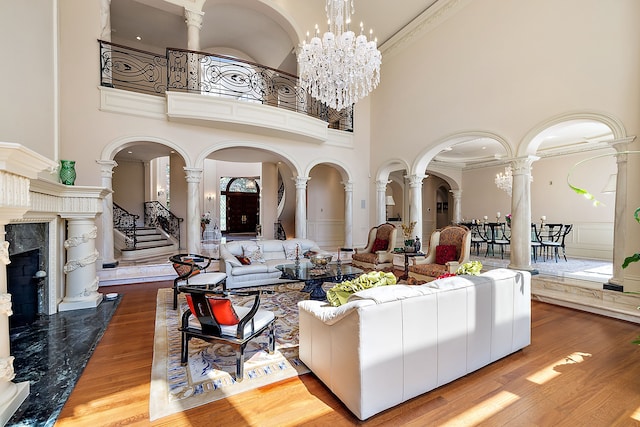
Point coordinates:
[(160, 191), (211, 196)]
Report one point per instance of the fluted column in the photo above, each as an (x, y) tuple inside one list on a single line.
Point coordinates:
[(415, 203), (194, 176), (381, 206), (106, 170), (521, 213), (348, 214), (457, 208), (620, 217), (301, 206)]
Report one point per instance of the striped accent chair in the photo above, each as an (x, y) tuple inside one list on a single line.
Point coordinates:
[(448, 249), (378, 253)]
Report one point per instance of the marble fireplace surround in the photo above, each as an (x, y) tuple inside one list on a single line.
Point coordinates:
[(29, 193)]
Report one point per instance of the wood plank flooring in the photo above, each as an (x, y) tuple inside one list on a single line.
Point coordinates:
[(580, 370)]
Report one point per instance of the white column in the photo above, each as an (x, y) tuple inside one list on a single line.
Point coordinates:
[(457, 206), (348, 214), (193, 19), (381, 206), (81, 284), (620, 218), (194, 176), (521, 213), (415, 203), (105, 35), (106, 170), (301, 206)]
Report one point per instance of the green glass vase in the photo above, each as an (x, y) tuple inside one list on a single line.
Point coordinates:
[(67, 172)]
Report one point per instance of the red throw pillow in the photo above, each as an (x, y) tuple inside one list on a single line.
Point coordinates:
[(183, 269), (379, 245), (221, 308), (243, 260), (445, 253)]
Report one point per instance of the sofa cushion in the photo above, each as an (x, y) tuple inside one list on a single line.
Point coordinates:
[(445, 253), (379, 245), (253, 268), (243, 260)]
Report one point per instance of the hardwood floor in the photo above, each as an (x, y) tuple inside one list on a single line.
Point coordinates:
[(580, 370)]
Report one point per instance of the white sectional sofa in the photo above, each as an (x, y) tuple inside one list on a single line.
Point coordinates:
[(261, 271), (389, 344)]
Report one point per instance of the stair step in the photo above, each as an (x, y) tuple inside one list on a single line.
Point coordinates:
[(150, 237), (146, 231), (149, 245)]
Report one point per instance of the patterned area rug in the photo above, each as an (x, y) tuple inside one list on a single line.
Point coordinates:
[(209, 375)]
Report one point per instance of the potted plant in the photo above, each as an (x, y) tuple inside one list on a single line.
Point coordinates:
[(407, 231)]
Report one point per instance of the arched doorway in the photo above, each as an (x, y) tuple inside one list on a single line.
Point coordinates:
[(242, 199)]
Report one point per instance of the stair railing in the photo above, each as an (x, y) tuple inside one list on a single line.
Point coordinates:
[(125, 222), (157, 215)]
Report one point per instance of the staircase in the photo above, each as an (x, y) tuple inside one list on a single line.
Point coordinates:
[(150, 243)]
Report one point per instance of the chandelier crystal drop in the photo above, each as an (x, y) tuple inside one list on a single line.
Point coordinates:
[(340, 68)]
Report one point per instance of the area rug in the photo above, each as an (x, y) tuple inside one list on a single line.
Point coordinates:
[(209, 375)]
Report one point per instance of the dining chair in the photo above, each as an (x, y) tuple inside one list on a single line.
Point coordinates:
[(549, 236), (559, 242), (496, 234), (536, 244)]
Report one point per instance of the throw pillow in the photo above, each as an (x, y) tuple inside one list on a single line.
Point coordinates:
[(445, 253), (243, 260), (290, 251), (184, 270), (221, 308), (379, 245), (256, 255)]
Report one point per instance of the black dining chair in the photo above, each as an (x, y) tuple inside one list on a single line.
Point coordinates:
[(496, 234), (536, 244), (549, 236), (560, 241)]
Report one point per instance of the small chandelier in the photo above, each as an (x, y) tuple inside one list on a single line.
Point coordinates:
[(341, 68), (504, 181)]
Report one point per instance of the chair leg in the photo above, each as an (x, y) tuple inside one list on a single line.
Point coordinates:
[(240, 363), (175, 298), (184, 353)]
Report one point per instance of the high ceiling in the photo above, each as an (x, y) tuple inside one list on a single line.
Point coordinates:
[(241, 28)]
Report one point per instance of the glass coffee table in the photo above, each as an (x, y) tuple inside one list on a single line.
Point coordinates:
[(314, 277)]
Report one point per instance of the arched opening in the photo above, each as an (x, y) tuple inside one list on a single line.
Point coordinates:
[(239, 205)]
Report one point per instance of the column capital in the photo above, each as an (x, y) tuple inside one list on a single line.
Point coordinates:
[(193, 18), (381, 185), (522, 165), (194, 175), (106, 167), (348, 185), (457, 194), (301, 182), (415, 180), (621, 145)]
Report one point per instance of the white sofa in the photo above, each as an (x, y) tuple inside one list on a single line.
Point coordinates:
[(389, 344), (274, 252)]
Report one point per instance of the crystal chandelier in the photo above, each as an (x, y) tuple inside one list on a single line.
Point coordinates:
[(504, 181), (341, 68)]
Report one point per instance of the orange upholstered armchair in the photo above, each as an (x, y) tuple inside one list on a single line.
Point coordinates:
[(378, 253), (448, 248)]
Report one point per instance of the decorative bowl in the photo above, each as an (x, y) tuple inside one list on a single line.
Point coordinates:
[(320, 260)]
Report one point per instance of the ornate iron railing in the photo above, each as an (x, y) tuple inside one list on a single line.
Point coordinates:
[(126, 223), (181, 70), (156, 215)]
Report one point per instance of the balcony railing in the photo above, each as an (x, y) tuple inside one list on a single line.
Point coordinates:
[(126, 68)]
